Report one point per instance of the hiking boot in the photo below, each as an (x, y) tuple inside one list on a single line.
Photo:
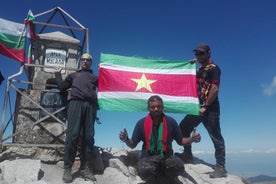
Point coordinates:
[(87, 174), (219, 172), (67, 176), (186, 157)]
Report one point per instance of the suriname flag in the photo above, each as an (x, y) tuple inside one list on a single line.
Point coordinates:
[(126, 83)]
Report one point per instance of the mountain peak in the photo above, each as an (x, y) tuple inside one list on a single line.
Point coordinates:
[(44, 165), (262, 178)]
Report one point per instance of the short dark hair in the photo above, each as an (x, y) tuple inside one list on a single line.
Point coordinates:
[(154, 98)]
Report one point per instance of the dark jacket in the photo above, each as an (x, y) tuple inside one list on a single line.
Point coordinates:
[(174, 133), (83, 84)]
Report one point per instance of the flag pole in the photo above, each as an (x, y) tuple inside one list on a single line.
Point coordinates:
[(87, 43), (20, 38)]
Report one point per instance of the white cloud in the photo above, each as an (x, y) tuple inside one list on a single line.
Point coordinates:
[(272, 150), (271, 88), (250, 150), (267, 151), (202, 152)]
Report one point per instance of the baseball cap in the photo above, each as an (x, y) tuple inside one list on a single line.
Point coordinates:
[(202, 47)]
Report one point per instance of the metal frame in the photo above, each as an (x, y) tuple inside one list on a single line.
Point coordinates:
[(11, 79)]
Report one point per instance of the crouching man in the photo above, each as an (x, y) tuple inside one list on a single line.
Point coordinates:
[(157, 132)]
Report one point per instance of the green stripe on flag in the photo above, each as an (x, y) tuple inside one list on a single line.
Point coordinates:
[(136, 105), (120, 93), (144, 63), (129, 105), (12, 42)]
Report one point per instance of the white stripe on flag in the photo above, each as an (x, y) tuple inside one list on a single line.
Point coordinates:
[(145, 96), (148, 70), (11, 28)]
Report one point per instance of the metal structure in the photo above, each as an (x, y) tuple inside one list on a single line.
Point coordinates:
[(56, 140)]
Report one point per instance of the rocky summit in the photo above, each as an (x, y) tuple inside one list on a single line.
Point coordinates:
[(33, 165)]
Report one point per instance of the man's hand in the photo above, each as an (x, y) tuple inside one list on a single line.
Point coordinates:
[(192, 61), (196, 136), (202, 111), (123, 135), (58, 69)]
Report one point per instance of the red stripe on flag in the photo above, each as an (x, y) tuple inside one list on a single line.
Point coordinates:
[(18, 55), (167, 84)]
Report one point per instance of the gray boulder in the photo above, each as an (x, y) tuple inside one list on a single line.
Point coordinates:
[(110, 166)]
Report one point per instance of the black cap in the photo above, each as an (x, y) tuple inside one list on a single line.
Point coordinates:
[(202, 48)]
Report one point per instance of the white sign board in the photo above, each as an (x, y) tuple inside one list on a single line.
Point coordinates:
[(54, 58)]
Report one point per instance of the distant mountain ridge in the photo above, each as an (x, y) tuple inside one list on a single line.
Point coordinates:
[(262, 178)]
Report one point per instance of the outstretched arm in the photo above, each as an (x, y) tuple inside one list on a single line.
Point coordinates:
[(194, 138), (124, 137), (62, 85)]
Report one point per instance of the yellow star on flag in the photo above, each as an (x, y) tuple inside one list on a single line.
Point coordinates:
[(143, 82)]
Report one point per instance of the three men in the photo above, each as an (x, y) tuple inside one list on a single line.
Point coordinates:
[(156, 130)]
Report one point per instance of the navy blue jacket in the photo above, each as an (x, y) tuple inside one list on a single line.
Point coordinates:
[(83, 84), (174, 133)]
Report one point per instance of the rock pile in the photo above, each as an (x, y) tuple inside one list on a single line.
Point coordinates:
[(34, 165)]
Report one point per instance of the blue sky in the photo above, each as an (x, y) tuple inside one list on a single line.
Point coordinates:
[(242, 39)]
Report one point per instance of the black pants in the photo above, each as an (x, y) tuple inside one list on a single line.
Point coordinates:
[(81, 118), (152, 168), (212, 124)]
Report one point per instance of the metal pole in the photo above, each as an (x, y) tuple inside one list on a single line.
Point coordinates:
[(60, 9), (43, 66), (59, 26), (35, 103), (70, 17), (87, 41), (5, 104), (43, 13)]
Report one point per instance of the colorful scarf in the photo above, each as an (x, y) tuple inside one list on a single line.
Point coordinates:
[(162, 135)]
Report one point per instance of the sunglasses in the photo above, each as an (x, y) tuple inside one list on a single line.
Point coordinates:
[(200, 53), (85, 59)]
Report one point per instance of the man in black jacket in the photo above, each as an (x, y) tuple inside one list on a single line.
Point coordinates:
[(81, 114), (208, 81)]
